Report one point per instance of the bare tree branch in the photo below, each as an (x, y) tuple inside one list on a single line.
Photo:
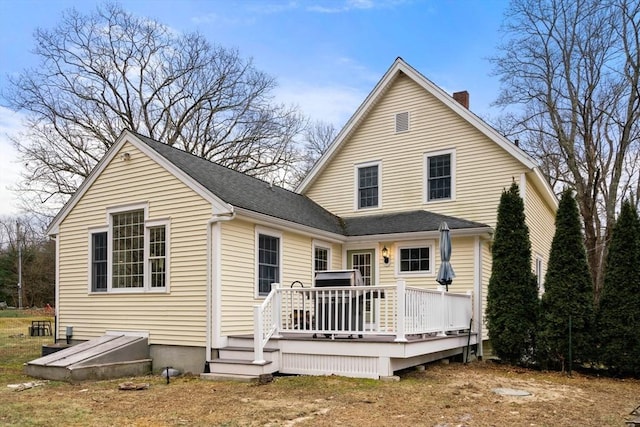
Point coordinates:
[(574, 66)]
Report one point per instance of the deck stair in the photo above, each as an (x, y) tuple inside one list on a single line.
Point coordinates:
[(236, 362)]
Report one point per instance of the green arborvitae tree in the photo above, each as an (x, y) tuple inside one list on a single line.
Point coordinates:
[(618, 315), (568, 293), (512, 301)]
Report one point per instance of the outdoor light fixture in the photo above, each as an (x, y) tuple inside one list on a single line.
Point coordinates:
[(69, 331), (385, 255)]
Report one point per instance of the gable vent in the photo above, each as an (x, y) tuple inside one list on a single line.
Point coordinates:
[(402, 122)]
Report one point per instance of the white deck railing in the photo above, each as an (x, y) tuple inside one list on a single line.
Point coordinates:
[(359, 310)]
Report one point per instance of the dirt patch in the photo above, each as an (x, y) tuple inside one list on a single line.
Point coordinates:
[(441, 395)]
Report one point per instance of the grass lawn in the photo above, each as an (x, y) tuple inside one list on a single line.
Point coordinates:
[(440, 395)]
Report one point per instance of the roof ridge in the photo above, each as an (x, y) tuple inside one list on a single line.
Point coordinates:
[(146, 139)]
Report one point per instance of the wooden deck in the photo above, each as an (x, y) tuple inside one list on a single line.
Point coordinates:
[(356, 331)]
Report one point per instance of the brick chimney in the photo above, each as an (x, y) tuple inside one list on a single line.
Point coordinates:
[(462, 98)]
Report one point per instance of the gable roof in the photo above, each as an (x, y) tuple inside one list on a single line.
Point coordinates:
[(228, 189), (243, 191), (398, 67)]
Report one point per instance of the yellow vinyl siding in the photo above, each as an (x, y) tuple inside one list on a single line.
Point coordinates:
[(480, 163), (462, 260), (238, 273), (176, 318), (541, 223)]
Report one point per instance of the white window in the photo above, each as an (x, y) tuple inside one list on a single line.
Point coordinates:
[(268, 248), (368, 185), (98, 259), (321, 256), (540, 274), (440, 176), (415, 259), (131, 255)]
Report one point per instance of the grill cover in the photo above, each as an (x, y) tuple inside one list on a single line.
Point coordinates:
[(338, 278)]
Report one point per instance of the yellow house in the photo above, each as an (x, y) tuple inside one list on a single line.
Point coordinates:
[(183, 252)]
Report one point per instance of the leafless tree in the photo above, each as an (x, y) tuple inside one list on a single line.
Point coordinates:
[(317, 137), (109, 70), (573, 67)]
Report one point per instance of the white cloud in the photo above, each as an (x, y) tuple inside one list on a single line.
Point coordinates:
[(349, 5), (10, 123), (331, 104)]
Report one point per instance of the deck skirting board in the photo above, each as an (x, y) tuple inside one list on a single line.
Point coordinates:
[(314, 364)]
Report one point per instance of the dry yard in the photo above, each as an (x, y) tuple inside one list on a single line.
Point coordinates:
[(441, 395)]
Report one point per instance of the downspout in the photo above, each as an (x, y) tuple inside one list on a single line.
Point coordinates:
[(478, 309), (56, 301), (213, 278)]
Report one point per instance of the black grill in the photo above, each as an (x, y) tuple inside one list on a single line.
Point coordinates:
[(338, 278)]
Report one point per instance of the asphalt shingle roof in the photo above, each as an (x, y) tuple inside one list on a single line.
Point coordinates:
[(243, 191), (404, 222)]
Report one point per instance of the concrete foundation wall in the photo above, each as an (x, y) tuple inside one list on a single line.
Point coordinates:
[(185, 359)]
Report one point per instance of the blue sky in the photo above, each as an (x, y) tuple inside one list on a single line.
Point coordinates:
[(326, 55)]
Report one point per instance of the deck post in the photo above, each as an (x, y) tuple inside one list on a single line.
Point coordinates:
[(258, 354), (445, 312), (277, 309), (401, 296)]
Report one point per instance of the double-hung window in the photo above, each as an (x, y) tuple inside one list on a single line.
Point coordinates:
[(368, 185), (99, 261), (268, 262), (321, 257), (440, 178), (131, 254)]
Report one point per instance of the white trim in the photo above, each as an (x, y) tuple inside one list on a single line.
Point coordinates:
[(91, 231), (217, 204), (110, 211), (57, 288), (271, 221), (477, 293), (166, 223), (415, 244), (539, 271), (356, 185), (485, 231), (271, 233), (397, 68), (322, 245), (523, 187), (108, 228), (129, 207), (425, 170)]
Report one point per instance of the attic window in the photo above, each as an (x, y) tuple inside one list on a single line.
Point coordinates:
[(402, 122)]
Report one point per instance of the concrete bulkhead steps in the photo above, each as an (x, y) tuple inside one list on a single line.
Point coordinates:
[(235, 362), (109, 356)]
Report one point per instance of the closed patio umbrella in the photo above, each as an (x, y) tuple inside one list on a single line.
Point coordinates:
[(445, 273)]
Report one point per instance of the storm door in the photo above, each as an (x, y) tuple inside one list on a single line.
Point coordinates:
[(364, 260)]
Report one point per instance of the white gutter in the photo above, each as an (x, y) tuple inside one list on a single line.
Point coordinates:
[(271, 221), (460, 232), (57, 288), (214, 289)]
